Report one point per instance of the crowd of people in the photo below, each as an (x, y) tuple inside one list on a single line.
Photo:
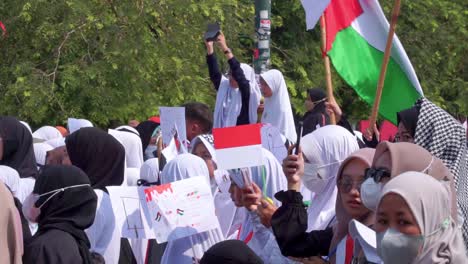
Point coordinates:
[(411, 194)]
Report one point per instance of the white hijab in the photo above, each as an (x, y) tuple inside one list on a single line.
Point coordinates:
[(271, 179), (129, 128), (27, 126), (75, 124), (133, 175), (56, 142), (326, 145), (184, 250), (103, 235), (150, 170), (229, 101), (133, 147), (278, 111), (46, 133), (20, 188), (40, 152)]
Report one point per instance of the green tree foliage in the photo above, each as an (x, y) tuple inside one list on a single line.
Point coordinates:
[(110, 60)]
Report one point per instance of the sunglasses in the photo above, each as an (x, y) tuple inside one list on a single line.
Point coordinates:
[(376, 174)]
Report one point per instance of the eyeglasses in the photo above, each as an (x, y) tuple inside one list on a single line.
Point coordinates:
[(376, 174), (346, 185)]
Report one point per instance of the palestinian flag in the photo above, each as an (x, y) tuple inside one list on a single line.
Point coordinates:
[(356, 37)]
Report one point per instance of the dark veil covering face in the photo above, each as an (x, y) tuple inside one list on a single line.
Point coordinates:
[(70, 211), (99, 155), (18, 147), (409, 118), (146, 130)]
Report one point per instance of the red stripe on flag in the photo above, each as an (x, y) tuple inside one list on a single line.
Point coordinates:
[(3, 27), (338, 16), (349, 249), (238, 136)]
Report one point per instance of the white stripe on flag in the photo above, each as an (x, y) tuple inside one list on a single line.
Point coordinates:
[(239, 157), (313, 11)]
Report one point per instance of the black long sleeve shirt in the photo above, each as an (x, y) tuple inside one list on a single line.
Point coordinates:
[(238, 75), (289, 225)]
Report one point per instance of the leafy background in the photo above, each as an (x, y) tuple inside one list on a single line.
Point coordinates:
[(111, 61)]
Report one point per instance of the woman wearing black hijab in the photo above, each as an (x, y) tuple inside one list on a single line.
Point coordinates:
[(316, 115), (146, 129), (98, 154), (63, 204), (16, 147)]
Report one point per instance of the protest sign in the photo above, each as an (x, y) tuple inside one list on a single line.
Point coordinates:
[(181, 209)]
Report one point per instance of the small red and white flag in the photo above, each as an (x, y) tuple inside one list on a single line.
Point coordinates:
[(238, 147)]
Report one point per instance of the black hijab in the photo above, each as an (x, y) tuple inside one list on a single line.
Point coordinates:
[(317, 94), (409, 117), (18, 147), (146, 129), (71, 211), (98, 154), (230, 251)]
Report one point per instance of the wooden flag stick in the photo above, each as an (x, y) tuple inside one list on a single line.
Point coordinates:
[(326, 61), (383, 69)]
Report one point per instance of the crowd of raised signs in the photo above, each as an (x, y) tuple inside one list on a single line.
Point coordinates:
[(338, 197)]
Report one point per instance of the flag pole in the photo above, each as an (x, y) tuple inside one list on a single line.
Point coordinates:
[(326, 61), (383, 69)]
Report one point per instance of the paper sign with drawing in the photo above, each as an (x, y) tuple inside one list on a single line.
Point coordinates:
[(181, 209), (173, 127), (131, 215)]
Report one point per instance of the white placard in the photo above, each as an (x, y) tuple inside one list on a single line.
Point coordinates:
[(181, 209), (173, 125), (131, 216)]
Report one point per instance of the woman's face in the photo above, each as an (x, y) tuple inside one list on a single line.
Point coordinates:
[(403, 134), (58, 156), (236, 194), (309, 104), (394, 212), (265, 89), (384, 162), (202, 152), (349, 187)]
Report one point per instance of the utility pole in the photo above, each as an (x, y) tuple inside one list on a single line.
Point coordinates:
[(263, 31)]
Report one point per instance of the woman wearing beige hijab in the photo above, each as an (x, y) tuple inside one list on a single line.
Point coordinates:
[(11, 235), (414, 224), (393, 159)]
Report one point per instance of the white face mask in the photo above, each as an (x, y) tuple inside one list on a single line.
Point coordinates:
[(149, 151), (370, 193), (316, 177), (396, 247), (31, 212)]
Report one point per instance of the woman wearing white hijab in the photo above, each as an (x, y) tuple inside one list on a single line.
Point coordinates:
[(268, 179), (323, 151), (277, 107), (414, 223), (230, 217), (19, 187), (75, 124), (40, 152), (133, 147), (46, 133), (149, 171), (238, 96), (189, 249)]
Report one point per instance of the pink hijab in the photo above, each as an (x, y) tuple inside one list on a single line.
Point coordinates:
[(340, 230)]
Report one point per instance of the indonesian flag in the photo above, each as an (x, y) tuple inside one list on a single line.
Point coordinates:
[(238, 147), (357, 33)]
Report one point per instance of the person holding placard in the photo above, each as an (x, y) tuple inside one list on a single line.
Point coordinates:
[(262, 182), (189, 249), (238, 95)]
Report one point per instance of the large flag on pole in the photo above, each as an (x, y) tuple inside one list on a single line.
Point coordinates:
[(356, 37)]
